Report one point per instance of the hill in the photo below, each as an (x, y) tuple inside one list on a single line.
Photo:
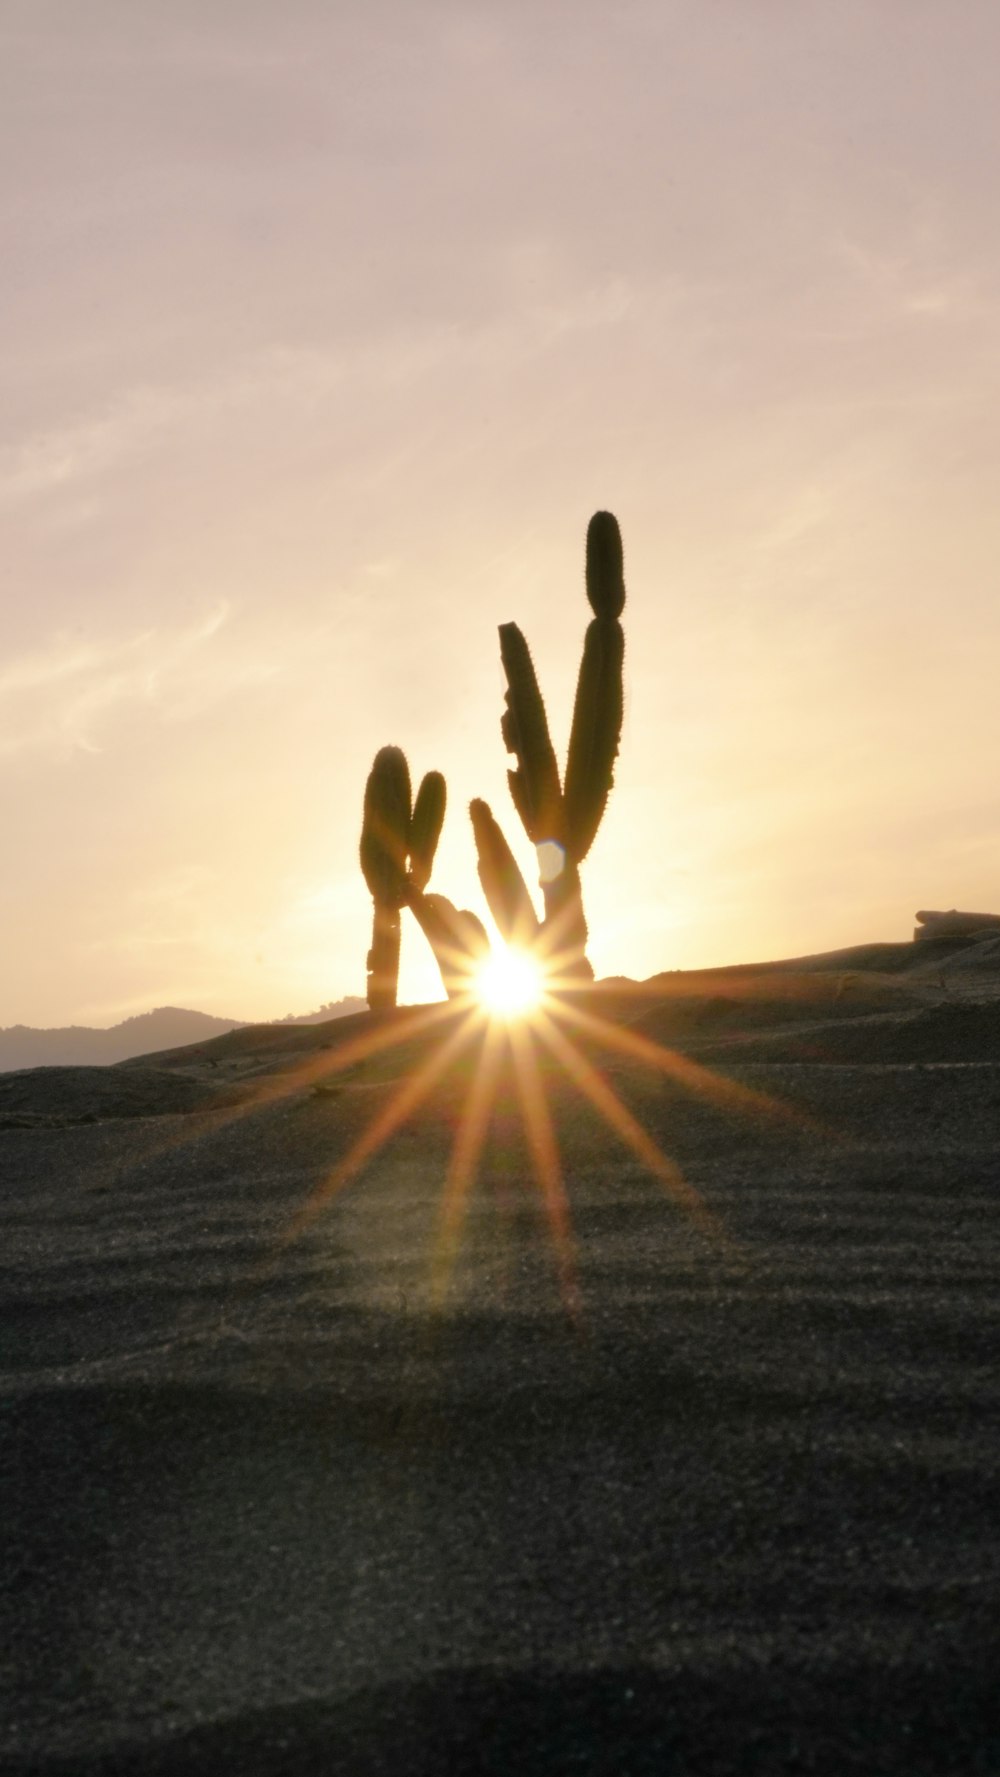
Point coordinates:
[(691, 1469), (168, 1027)]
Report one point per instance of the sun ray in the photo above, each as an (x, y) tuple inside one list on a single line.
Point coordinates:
[(559, 963), (544, 1148), (729, 1094), (410, 1094), (468, 1146), (408, 1022), (619, 1118)]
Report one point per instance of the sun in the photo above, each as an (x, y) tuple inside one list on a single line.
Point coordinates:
[(509, 984)]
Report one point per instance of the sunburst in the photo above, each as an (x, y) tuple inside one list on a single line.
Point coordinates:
[(510, 983), (519, 1009), (526, 1021)]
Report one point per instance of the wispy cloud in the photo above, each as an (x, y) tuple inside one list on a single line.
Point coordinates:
[(62, 698), (916, 275), (83, 449)]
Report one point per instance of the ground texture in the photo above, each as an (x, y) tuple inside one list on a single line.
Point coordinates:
[(262, 1511)]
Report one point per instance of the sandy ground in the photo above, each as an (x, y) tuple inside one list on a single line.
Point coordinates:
[(262, 1511)]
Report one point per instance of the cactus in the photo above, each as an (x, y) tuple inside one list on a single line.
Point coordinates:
[(399, 841), (398, 845), (560, 822), (385, 840), (503, 885)]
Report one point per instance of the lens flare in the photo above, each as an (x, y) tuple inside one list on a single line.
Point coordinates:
[(509, 984)]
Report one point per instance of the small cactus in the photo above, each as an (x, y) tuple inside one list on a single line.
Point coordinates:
[(560, 821), (398, 845)]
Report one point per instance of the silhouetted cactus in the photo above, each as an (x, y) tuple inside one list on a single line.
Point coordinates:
[(397, 855), (385, 844), (561, 823), (503, 885)]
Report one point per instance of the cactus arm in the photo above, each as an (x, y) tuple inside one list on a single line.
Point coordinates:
[(474, 934), (385, 830), (534, 786), (385, 833), (604, 574), (595, 735), (457, 938), (503, 885), (425, 827)]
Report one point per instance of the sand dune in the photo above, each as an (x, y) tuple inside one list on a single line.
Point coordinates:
[(262, 1512)]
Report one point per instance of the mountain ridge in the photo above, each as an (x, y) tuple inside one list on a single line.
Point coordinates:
[(144, 1033)]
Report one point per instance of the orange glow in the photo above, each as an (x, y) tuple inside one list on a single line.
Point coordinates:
[(730, 1095)]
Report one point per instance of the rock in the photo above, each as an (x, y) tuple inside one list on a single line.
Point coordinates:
[(953, 924)]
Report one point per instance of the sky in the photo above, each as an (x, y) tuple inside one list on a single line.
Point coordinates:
[(325, 327)]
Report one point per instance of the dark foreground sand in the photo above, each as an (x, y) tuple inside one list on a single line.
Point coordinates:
[(260, 1512)]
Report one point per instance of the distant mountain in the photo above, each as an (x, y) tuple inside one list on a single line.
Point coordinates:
[(344, 1008), (169, 1027)]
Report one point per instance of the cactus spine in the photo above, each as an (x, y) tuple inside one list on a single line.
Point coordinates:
[(561, 821)]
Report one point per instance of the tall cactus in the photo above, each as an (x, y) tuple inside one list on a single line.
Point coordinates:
[(561, 822), (398, 845)]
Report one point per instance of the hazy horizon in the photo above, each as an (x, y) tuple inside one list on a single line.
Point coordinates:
[(311, 1016), (327, 329)]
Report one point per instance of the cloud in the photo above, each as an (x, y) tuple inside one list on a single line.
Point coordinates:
[(61, 699), (85, 448), (41, 670), (916, 274)]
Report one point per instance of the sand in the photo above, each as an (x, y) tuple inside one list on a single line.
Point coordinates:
[(263, 1511)]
